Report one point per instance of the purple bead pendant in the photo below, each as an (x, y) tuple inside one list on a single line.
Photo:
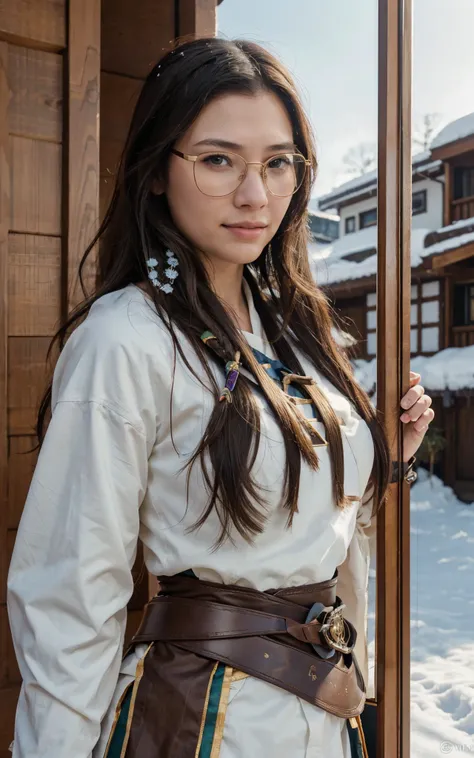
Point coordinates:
[(232, 371)]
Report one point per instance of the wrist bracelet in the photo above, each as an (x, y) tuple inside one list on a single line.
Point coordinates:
[(408, 472)]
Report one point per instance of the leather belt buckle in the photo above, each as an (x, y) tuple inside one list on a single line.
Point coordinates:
[(338, 634), (336, 630)]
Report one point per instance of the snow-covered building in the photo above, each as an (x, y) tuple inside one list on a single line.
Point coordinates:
[(323, 227), (442, 287)]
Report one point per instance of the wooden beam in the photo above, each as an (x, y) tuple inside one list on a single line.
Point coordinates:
[(447, 193), (393, 359), (37, 24), (81, 141), (445, 152), (446, 311), (5, 201), (196, 18), (449, 257)]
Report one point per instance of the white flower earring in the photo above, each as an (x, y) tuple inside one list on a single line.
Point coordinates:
[(170, 272)]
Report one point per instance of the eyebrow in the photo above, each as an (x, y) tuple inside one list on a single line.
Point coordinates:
[(235, 146)]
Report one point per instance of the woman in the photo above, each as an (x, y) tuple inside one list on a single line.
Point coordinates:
[(204, 407)]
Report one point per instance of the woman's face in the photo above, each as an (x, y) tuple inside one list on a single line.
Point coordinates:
[(251, 126)]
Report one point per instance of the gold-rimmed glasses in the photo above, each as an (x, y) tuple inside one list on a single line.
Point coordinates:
[(218, 174)]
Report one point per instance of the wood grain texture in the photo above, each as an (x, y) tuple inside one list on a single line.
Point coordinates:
[(9, 671), (35, 79), (36, 186), (5, 201), (34, 23), (27, 379), (133, 622), (34, 285), (197, 18), (21, 462), (7, 721), (393, 361), (82, 148), (135, 35), (118, 95)]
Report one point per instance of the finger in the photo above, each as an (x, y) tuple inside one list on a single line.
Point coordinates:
[(414, 378), (414, 413), (424, 421), (411, 397)]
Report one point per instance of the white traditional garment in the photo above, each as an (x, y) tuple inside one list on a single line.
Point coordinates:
[(110, 473)]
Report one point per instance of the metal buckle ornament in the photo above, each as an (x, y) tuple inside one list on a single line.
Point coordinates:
[(335, 630)]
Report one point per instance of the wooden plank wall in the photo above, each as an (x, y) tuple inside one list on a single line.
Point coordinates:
[(66, 66), (32, 44), (49, 169)]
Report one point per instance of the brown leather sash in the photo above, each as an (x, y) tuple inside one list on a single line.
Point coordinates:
[(264, 634)]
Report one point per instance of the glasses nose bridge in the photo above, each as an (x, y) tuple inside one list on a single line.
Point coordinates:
[(261, 171)]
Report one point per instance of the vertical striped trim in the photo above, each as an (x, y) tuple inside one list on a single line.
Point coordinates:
[(118, 709), (221, 713), (204, 712), (362, 737), (138, 675)]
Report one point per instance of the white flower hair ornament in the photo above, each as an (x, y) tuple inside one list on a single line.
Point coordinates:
[(170, 272)]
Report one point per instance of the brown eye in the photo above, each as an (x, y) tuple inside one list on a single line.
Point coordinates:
[(217, 160)]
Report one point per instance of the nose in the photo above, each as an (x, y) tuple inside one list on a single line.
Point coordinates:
[(252, 192)]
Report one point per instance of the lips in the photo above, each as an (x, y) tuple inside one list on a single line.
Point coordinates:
[(247, 225), (245, 231)]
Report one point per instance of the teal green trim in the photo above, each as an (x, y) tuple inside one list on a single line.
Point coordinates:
[(354, 739), (115, 747), (212, 709)]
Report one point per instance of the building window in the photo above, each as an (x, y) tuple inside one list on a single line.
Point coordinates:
[(430, 340), (371, 343), (419, 203), (463, 182), (371, 323), (463, 305), (350, 225), (425, 317), (323, 228), (368, 218)]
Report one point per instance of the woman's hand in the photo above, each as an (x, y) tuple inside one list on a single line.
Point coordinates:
[(417, 416)]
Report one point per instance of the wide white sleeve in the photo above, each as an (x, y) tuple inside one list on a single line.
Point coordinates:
[(353, 580), (70, 576)]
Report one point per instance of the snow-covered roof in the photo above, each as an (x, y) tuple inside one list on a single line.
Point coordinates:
[(450, 369), (323, 214), (450, 243), (364, 239), (329, 264), (354, 187), (456, 225), (456, 130)]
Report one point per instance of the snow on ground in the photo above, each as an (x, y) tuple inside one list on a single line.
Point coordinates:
[(451, 368), (442, 620)]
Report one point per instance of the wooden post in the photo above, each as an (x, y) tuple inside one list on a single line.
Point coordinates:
[(393, 360), (5, 200), (81, 154), (447, 193), (196, 18)]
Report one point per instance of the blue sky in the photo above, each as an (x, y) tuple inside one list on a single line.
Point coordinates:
[(331, 50)]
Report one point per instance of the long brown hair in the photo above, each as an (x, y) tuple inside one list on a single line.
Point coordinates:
[(138, 225)]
